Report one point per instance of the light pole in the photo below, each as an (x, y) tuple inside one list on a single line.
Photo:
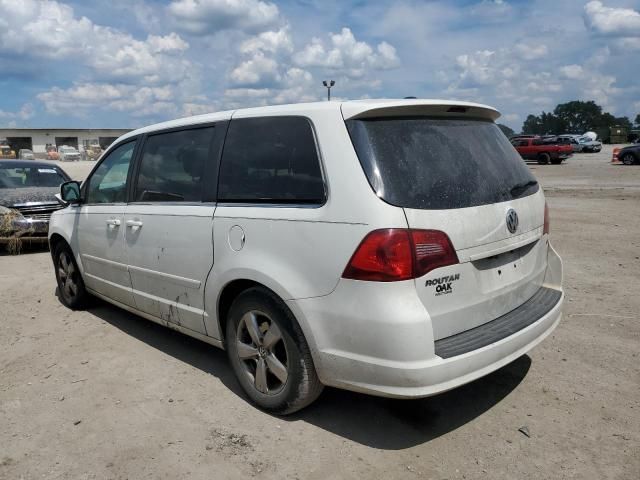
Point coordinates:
[(328, 84)]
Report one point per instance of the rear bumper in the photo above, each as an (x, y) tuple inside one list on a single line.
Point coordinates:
[(384, 345)]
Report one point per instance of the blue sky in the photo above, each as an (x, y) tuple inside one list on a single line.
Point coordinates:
[(128, 63)]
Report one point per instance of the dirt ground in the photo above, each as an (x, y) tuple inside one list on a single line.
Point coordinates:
[(104, 394)]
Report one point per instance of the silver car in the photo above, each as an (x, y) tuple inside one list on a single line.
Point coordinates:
[(589, 145), (571, 140), (25, 154), (68, 154)]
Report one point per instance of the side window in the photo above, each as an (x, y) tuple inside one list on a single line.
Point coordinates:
[(108, 184), (523, 143), (537, 142), (172, 166), (270, 160)]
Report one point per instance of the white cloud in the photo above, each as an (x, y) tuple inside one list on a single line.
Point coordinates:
[(346, 54), (506, 76), (147, 77), (476, 69), (45, 29), (203, 17), (531, 52), (50, 30), (623, 45), (612, 21), (169, 43), (270, 41), (572, 71), (511, 117), (258, 69), (25, 113), (84, 98), (297, 77), (493, 11), (271, 72), (294, 85)]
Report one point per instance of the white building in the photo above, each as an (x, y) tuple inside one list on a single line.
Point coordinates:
[(37, 139)]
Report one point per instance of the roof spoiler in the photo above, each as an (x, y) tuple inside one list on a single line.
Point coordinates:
[(403, 108)]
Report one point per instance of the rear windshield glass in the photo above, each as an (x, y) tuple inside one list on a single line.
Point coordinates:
[(436, 163)]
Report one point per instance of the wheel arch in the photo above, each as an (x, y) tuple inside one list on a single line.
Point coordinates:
[(54, 240), (233, 288), (227, 295)]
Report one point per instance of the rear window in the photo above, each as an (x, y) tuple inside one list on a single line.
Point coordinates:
[(271, 160), (437, 163)]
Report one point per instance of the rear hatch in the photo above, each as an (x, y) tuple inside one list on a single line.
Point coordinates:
[(456, 172)]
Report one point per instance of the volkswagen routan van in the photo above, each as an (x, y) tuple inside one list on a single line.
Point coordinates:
[(394, 247)]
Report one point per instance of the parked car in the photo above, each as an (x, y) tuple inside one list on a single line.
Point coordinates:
[(589, 145), (538, 149), (329, 243), (92, 152), (628, 155), (26, 154), (27, 199), (6, 152), (52, 152), (523, 135), (68, 154), (571, 140)]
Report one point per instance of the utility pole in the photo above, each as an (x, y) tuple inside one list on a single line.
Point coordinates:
[(328, 84)]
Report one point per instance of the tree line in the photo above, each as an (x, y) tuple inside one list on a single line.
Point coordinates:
[(575, 117)]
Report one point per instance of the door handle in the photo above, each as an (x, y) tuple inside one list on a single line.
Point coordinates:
[(134, 224), (113, 222)]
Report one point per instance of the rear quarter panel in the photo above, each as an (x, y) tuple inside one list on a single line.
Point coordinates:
[(301, 252)]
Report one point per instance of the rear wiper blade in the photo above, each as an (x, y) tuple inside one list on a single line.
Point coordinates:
[(521, 187)]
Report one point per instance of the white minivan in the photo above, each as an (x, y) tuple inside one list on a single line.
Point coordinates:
[(394, 247)]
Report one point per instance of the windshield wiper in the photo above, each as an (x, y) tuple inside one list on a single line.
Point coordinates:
[(519, 188)]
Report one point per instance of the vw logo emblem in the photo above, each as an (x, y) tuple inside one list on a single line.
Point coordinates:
[(512, 220)]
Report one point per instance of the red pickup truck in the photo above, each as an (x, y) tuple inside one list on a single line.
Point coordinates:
[(543, 152)]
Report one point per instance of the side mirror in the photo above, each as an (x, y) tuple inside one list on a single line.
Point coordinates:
[(70, 192)]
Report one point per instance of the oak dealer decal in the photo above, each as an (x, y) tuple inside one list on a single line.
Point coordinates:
[(442, 284)]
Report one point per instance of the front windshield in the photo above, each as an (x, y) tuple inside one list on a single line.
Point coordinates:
[(29, 177)]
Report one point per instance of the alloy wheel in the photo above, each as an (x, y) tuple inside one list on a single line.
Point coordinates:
[(68, 276), (262, 352)]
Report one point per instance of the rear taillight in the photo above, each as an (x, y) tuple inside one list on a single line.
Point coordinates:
[(394, 254), (432, 249), (545, 228)]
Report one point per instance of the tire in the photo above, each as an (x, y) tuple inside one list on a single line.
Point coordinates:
[(543, 158), (263, 336), (556, 161), (71, 289), (628, 159)]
